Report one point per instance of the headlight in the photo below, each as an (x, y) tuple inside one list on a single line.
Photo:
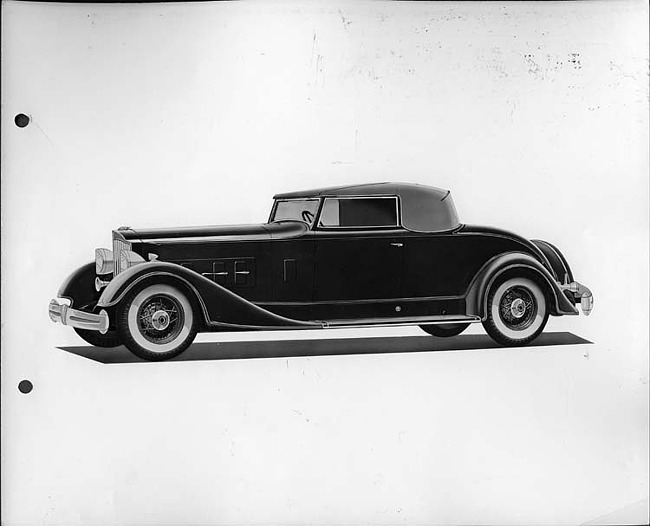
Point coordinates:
[(103, 261), (128, 258)]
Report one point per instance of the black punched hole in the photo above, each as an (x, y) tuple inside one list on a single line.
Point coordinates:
[(25, 386), (21, 120)]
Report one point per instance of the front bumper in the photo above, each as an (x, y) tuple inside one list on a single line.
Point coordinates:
[(61, 313), (578, 293)]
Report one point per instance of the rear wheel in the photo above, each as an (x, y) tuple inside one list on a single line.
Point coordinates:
[(445, 330), (157, 322), (517, 311)]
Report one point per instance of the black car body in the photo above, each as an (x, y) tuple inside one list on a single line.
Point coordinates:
[(361, 255)]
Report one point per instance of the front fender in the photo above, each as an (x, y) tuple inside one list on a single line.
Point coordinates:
[(79, 287), (520, 263), (220, 306)]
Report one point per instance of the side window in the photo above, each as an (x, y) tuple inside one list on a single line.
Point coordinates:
[(330, 214), (359, 212)]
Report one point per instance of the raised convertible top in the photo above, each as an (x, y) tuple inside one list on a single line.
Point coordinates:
[(424, 208)]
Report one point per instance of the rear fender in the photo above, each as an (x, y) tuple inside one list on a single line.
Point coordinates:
[(556, 258), (220, 307), (519, 264)]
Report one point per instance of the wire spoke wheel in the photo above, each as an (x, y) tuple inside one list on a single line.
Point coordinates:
[(517, 311), (517, 308), (157, 322), (160, 319)]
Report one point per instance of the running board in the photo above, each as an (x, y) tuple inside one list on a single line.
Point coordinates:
[(414, 320)]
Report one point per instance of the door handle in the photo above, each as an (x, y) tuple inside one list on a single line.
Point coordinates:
[(397, 244)]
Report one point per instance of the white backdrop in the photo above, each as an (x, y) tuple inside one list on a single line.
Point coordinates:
[(535, 115)]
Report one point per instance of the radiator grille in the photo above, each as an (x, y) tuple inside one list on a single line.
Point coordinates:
[(118, 246)]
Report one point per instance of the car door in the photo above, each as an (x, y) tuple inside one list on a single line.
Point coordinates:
[(436, 273), (358, 258)]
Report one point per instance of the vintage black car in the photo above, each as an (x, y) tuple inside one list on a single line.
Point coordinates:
[(351, 256)]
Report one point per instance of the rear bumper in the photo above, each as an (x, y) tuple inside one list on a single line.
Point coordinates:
[(578, 293), (61, 313)]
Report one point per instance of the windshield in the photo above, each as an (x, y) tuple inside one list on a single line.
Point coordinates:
[(295, 210)]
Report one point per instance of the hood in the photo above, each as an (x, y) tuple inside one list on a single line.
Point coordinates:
[(279, 230)]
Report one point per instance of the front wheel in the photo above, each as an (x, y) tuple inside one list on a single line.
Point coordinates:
[(517, 312), (96, 338), (157, 322), (445, 330)]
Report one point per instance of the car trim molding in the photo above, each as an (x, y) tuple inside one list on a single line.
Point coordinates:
[(358, 302), (411, 320)]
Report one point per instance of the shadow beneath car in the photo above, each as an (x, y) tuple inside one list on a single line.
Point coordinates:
[(323, 347)]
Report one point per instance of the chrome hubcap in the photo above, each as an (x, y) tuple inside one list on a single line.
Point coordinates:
[(160, 320), (518, 308)]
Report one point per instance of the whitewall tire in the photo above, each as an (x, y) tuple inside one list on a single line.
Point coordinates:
[(157, 322), (517, 311)]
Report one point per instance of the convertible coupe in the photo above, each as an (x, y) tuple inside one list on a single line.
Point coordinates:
[(351, 256)]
